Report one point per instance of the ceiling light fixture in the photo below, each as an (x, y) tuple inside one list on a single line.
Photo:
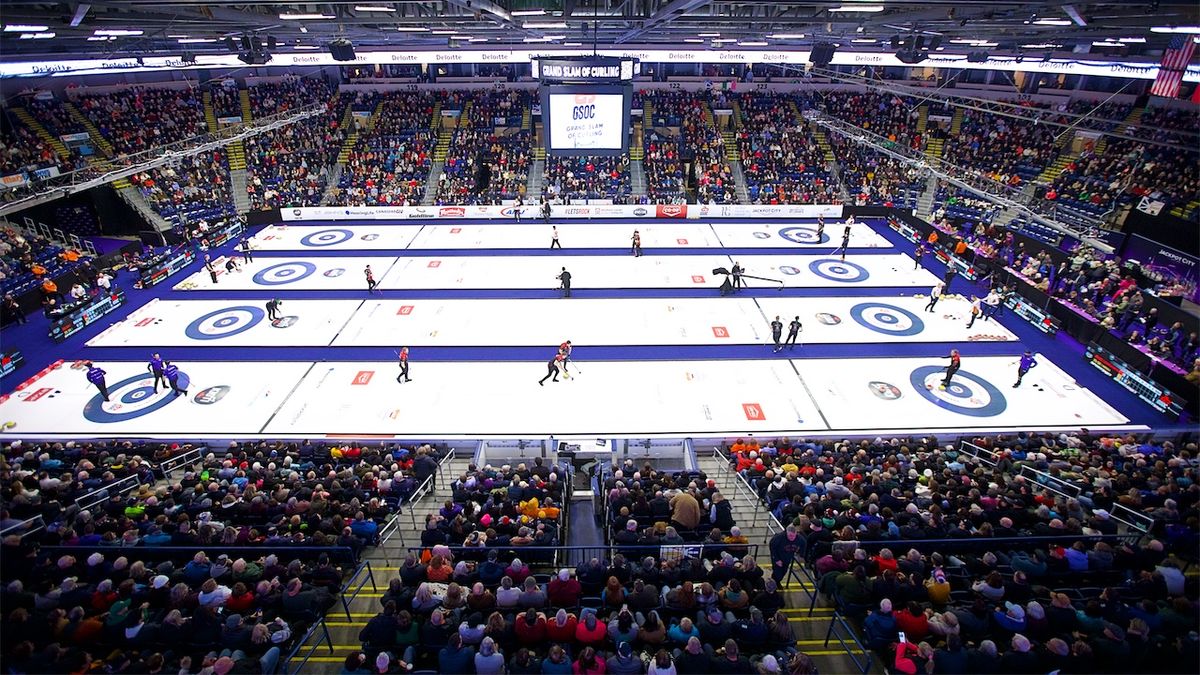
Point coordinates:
[(1132, 40), (1041, 45), (373, 8), (1106, 43), (444, 31), (535, 39), (24, 28), (753, 43), (572, 44), (117, 32), (528, 12), (544, 24), (864, 41), (477, 39), (1053, 22), (193, 41), (694, 40), (305, 47), (708, 35), (410, 29), (100, 39), (857, 8), (36, 36), (305, 17), (1175, 29), (786, 36)]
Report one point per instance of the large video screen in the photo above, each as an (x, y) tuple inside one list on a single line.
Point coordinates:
[(586, 119)]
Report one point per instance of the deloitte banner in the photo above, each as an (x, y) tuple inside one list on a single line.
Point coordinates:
[(583, 211)]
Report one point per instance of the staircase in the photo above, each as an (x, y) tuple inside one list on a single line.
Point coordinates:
[(737, 114), (731, 150), (237, 186), (637, 147), (536, 180), (749, 516), (637, 178), (333, 180), (431, 181), (527, 119), (464, 117), (935, 147), (98, 139), (739, 182), (647, 113), (925, 201), (923, 119), (247, 113), (134, 198), (435, 121), (1051, 172), (822, 141), (956, 123), (36, 127)]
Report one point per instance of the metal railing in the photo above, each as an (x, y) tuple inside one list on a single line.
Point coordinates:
[(840, 630), (320, 629), (1050, 483), (978, 454), (25, 527), (740, 485), (123, 166), (168, 466), (350, 591), (100, 495)]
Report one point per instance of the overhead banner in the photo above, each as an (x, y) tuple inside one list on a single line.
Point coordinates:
[(1142, 70), (572, 211)]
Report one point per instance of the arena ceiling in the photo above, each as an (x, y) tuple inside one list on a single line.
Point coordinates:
[(111, 28)]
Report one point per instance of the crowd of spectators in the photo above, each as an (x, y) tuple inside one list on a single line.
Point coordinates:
[(140, 118), (290, 166), (587, 177), (226, 100), (662, 164), (21, 150), (1008, 150), (218, 570), (506, 153), (873, 178), (978, 566), (389, 164), (892, 117), (195, 188), (31, 264), (782, 161)]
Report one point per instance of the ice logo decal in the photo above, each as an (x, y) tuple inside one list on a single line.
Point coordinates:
[(335, 272), (762, 235), (829, 319), (369, 237), (285, 321), (211, 395), (885, 390)]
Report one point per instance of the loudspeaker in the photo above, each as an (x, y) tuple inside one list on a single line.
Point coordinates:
[(895, 42), (229, 44), (977, 57), (254, 58), (341, 50), (822, 54), (272, 43), (911, 56)]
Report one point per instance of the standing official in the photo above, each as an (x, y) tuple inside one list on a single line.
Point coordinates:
[(918, 254), (565, 279), (554, 237), (96, 376), (794, 329), (247, 252), (935, 294), (777, 332), (172, 373), (156, 369), (212, 269), (403, 376), (737, 276)]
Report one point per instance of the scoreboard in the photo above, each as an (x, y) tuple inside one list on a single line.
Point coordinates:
[(1145, 388), (586, 104), (169, 265), (1033, 314)]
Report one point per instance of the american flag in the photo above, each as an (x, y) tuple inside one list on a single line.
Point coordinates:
[(1174, 63)]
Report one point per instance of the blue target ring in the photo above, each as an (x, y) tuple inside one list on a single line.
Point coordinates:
[(327, 237), (284, 273), (803, 235), (887, 319), (140, 400), (960, 388), (227, 318), (839, 270)]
